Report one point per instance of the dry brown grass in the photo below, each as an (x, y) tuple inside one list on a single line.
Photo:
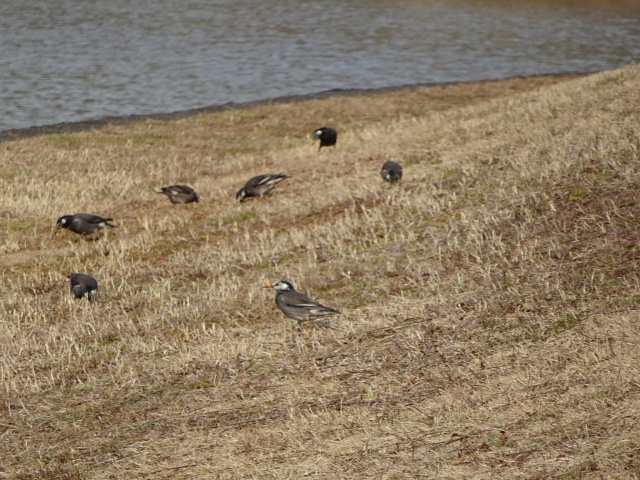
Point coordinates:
[(490, 325)]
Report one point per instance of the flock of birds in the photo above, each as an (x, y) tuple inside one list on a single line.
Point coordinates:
[(292, 303)]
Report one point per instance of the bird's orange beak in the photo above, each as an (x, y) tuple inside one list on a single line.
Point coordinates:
[(55, 231), (268, 286)]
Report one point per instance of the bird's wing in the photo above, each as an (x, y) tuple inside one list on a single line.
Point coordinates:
[(301, 300), (315, 308), (266, 179), (96, 219), (252, 182), (273, 179)]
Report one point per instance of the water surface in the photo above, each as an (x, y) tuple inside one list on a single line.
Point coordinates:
[(72, 60)]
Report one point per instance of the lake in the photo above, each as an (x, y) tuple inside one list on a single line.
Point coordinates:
[(73, 60)]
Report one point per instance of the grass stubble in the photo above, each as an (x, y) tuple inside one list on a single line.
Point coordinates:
[(489, 327)]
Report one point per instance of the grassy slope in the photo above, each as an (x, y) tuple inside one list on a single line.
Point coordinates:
[(489, 326)]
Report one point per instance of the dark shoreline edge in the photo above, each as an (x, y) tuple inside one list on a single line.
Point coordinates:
[(85, 125)]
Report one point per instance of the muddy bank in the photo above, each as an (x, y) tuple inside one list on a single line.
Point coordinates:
[(475, 88)]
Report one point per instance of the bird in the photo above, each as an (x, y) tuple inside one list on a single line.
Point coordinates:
[(83, 284), (327, 136), (297, 305), (180, 194), (83, 223), (391, 171), (260, 185)]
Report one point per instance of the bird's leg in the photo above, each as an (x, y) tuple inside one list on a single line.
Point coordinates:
[(303, 322)]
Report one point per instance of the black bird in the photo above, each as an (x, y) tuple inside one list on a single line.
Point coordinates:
[(83, 223), (391, 171), (297, 305), (82, 284), (180, 194), (327, 136), (260, 185)]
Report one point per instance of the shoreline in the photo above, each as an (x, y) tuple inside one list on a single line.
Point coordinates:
[(115, 120)]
